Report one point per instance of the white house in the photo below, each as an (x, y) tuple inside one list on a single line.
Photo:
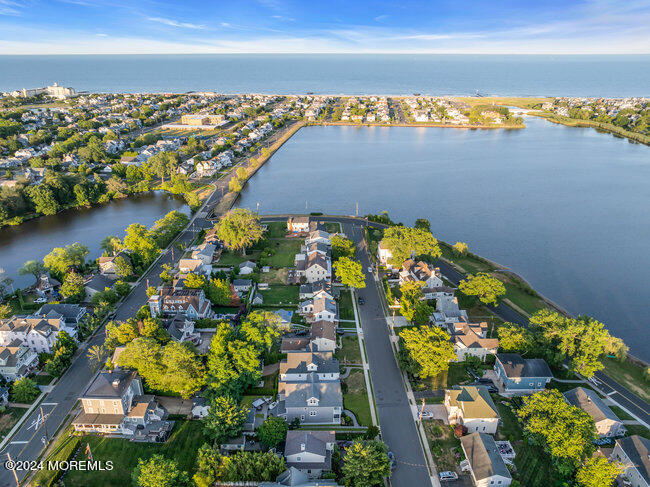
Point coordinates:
[(472, 407), (487, 468)]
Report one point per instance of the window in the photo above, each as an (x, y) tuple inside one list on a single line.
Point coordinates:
[(302, 417), (312, 413)]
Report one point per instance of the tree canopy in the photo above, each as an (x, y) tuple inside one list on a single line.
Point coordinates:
[(429, 347), (240, 228), (486, 288), (225, 419), (159, 471), (272, 431), (350, 272), (598, 471), (406, 241), (342, 247), (366, 464), (63, 258)]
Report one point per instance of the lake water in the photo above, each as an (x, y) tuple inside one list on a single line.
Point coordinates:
[(566, 208), (36, 238), (512, 75)]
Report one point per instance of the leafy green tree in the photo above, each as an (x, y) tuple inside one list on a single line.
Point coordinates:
[(239, 228), (514, 338), (235, 185), (423, 224), (164, 163), (225, 419), (350, 272), (488, 289), (165, 229), (33, 267), (63, 258), (411, 297), (565, 431), (151, 291), (141, 243), (123, 267), (24, 390), (73, 287), (207, 465), (342, 247), (598, 472), (366, 464), (422, 313), (261, 328), (43, 199), (251, 466), (5, 311), (405, 241), (460, 248), (430, 348), (272, 431), (111, 244), (194, 281), (219, 292), (96, 355), (159, 471)]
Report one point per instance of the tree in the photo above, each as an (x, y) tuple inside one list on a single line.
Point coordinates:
[(43, 199), (194, 281), (73, 287), (63, 258), (350, 273), (250, 466), (33, 267), (422, 313), (239, 228), (207, 463), (219, 292), (514, 338), (272, 432), (460, 248), (411, 293), (141, 243), (165, 229), (151, 291), (423, 224), (430, 348), (366, 464), (598, 471), (488, 289), (123, 267), (96, 355), (235, 185), (565, 431), (5, 311), (225, 419), (342, 247), (405, 241), (261, 328), (25, 390), (159, 471), (111, 244)]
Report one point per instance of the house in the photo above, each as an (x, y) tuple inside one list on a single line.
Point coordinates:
[(298, 224), (247, 267), (420, 272), (472, 407), (469, 339), (107, 265), (17, 361), (37, 332), (318, 289), (607, 423), (323, 335), (285, 318), (447, 311), (294, 344), (181, 329), (318, 236), (315, 267), (47, 286), (439, 292), (200, 407), (292, 477), (4, 395), (487, 468), (516, 375), (98, 283), (384, 254), (114, 403), (195, 266), (298, 366), (311, 402), (310, 451), (204, 253), (242, 285), (71, 314), (189, 302), (634, 453), (320, 309)]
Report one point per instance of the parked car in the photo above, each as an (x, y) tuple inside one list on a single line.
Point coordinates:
[(426, 415), (447, 475), (361, 300), (40, 300)]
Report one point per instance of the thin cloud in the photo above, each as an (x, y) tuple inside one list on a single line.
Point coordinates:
[(10, 7), (176, 23)]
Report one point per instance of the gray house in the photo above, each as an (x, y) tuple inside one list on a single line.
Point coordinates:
[(295, 478), (310, 451), (486, 465), (312, 402), (634, 453), (516, 375), (607, 423)]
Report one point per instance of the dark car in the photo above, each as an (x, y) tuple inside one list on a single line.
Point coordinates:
[(361, 300)]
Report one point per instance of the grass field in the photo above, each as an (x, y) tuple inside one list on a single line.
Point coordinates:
[(522, 102), (637, 429), (276, 229), (42, 379), (509, 429), (285, 251), (630, 375), (229, 258), (349, 352), (274, 276), (346, 310), (9, 418), (535, 467), (182, 446), (280, 295), (356, 398)]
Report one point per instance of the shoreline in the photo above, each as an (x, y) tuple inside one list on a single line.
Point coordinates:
[(417, 124)]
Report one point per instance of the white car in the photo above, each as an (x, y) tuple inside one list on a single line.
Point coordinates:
[(448, 476), (40, 300), (370, 269), (426, 414)]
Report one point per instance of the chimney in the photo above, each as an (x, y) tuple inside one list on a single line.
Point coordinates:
[(302, 447)]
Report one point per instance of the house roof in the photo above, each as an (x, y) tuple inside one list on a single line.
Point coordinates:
[(285, 316), (289, 344), (590, 403), (242, 282), (475, 401), (483, 456), (97, 419), (324, 304), (516, 366), (637, 450), (297, 362), (110, 385), (323, 329), (296, 394), (99, 282), (314, 441), (71, 313)]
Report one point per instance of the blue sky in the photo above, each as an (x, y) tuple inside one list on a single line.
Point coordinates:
[(298, 26)]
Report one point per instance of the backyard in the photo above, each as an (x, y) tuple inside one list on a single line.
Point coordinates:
[(445, 447), (355, 398), (280, 295), (349, 352), (346, 310)]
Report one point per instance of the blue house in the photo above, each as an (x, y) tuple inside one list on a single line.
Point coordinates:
[(517, 375)]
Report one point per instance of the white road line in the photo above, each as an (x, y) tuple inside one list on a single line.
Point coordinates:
[(18, 442), (49, 404)]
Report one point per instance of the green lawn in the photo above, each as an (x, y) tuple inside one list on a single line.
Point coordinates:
[(229, 258), (356, 398), (349, 352), (9, 418), (629, 375), (42, 380), (346, 310), (456, 375), (620, 413), (279, 295), (535, 467), (276, 229), (332, 227), (182, 446), (637, 429), (509, 429), (285, 251)]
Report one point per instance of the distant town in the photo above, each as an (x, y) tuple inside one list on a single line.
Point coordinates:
[(220, 346)]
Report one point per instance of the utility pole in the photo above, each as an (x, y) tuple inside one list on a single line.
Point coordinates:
[(357, 208)]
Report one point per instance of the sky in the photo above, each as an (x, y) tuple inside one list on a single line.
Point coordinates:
[(332, 26)]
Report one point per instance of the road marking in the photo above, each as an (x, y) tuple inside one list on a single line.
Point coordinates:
[(37, 422), (18, 442), (49, 404)]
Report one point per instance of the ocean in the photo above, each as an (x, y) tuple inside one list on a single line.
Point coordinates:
[(405, 74)]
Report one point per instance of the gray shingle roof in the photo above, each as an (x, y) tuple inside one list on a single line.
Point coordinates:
[(637, 449), (516, 366), (110, 384), (590, 403), (483, 456)]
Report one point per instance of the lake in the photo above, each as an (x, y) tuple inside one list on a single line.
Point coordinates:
[(36, 238), (397, 74), (566, 208)]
